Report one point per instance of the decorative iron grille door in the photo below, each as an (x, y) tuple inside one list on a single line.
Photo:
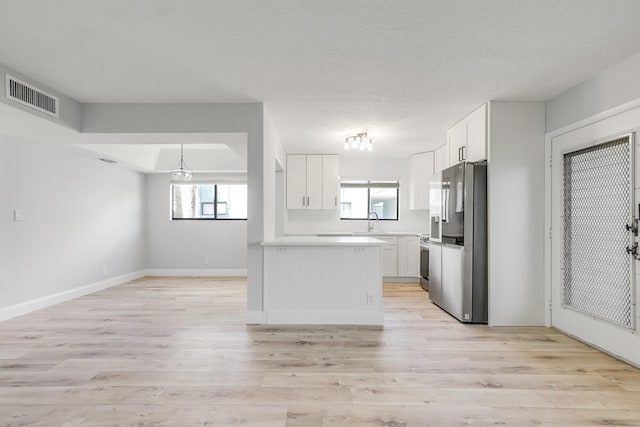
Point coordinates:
[(598, 231)]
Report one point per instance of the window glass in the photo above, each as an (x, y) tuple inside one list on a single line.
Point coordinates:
[(208, 201), (384, 202), (232, 201), (359, 198), (354, 203)]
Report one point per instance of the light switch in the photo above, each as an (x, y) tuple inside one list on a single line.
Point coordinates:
[(17, 215)]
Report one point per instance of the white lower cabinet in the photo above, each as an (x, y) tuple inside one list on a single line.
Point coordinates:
[(408, 256), (323, 284), (401, 256), (389, 256)]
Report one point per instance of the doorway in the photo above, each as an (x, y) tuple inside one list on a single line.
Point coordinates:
[(593, 239)]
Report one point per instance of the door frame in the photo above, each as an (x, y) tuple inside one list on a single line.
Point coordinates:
[(616, 121)]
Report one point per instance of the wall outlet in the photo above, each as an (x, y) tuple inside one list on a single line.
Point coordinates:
[(206, 260), (467, 316), (104, 270), (369, 299), (17, 215)]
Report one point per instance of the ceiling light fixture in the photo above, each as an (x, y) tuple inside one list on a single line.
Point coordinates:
[(181, 174), (359, 141)]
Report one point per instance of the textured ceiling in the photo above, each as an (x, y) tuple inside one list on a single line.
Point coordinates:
[(403, 70)]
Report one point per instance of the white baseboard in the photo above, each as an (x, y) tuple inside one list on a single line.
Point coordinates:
[(325, 318), (399, 279), (256, 318), (197, 272), (53, 299)]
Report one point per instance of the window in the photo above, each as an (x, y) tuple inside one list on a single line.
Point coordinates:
[(208, 201), (359, 198)]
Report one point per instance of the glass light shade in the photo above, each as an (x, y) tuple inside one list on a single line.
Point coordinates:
[(346, 145), (181, 174)]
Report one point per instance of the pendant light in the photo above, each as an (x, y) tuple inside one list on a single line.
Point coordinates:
[(181, 174), (360, 141)]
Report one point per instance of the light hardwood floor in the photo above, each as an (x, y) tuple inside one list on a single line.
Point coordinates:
[(175, 352)]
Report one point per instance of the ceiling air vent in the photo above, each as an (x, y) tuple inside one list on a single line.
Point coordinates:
[(31, 96)]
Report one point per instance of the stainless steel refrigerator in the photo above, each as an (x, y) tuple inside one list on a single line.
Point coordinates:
[(458, 216)]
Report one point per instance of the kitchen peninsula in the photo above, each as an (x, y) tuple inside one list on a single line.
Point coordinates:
[(323, 280)]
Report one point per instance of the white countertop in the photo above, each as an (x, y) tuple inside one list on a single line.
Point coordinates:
[(323, 241), (358, 234)]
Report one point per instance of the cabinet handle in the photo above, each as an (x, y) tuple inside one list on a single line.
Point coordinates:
[(462, 150), (459, 157), (307, 201), (335, 201), (303, 201)]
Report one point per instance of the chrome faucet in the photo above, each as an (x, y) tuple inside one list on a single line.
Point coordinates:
[(369, 226)]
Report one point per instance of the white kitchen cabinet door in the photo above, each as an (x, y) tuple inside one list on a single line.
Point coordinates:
[(314, 181), (413, 182), (477, 135), (296, 181), (389, 256), (438, 160), (408, 256), (445, 156), (457, 143), (425, 170), (420, 170), (330, 181)]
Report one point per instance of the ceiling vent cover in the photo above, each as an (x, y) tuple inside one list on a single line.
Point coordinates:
[(31, 96)]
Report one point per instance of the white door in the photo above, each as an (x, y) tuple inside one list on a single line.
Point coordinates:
[(457, 143), (593, 280), (314, 181), (330, 181), (408, 256), (476, 149), (296, 181)]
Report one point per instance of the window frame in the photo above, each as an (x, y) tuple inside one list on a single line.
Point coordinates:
[(215, 202), (369, 186)]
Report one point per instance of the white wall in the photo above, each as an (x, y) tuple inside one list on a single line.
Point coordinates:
[(194, 118), (515, 181), (304, 222), (272, 151), (183, 245), (614, 86), (79, 214)]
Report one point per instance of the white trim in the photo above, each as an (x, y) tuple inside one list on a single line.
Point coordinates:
[(400, 279), (53, 299), (169, 272), (547, 232), (325, 318), (548, 187), (255, 317)]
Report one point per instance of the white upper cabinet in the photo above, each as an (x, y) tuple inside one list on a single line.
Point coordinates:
[(441, 158), (296, 181), (457, 136), (420, 170), (477, 135), (467, 139), (312, 181), (330, 181)]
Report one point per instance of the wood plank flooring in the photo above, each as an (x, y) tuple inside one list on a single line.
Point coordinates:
[(176, 352)]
